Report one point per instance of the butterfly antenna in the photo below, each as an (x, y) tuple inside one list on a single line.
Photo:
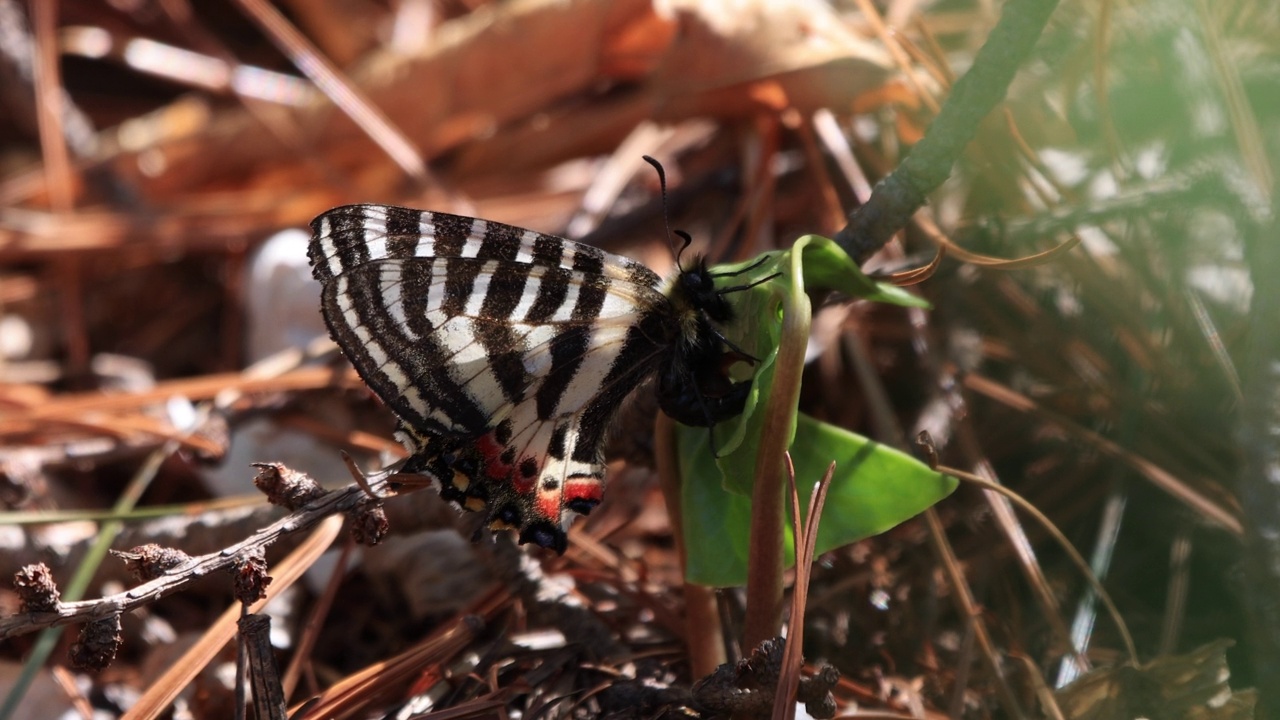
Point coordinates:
[(748, 286), (666, 214), (687, 242), (763, 259)]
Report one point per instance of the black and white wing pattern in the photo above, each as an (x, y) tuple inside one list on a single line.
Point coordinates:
[(505, 352)]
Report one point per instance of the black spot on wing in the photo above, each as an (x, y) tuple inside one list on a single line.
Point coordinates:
[(528, 467), (404, 229), (591, 296), (506, 356), (567, 350), (501, 242), (506, 288), (451, 233), (503, 347), (569, 346), (552, 290), (555, 448), (508, 515), (548, 250), (459, 281), (588, 259), (416, 276), (502, 433)]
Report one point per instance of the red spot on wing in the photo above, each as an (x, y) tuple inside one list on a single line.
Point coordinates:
[(524, 483), (523, 474), (583, 488), (548, 506), (491, 450)]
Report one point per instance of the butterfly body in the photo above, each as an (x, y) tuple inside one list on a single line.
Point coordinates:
[(505, 353)]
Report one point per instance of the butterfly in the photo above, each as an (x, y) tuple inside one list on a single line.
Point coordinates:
[(505, 353)]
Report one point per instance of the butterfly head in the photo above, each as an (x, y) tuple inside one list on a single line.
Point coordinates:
[(696, 290)]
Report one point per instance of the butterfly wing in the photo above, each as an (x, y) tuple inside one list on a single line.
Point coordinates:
[(504, 359), (351, 235)]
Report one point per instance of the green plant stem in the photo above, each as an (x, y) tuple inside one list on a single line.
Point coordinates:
[(763, 618), (704, 633), (897, 197), (151, 512)]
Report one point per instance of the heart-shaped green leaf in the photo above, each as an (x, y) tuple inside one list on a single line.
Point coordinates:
[(716, 493)]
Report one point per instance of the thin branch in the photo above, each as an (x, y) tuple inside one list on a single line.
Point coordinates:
[(897, 197), (333, 502), (763, 616)]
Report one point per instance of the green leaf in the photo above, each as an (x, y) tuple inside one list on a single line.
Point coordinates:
[(823, 266), (828, 267), (716, 492), (875, 487)]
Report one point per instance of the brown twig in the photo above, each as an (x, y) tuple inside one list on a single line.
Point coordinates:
[(331, 503), (896, 198), (268, 697), (806, 543), (180, 673)]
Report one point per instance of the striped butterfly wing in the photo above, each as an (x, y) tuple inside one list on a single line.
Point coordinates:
[(504, 352)]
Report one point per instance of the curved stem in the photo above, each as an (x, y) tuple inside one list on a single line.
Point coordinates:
[(764, 570)]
